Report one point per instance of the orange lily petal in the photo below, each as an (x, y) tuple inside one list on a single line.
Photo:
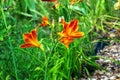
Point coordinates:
[(26, 35), (30, 40), (30, 36), (34, 35), (70, 31), (77, 35), (66, 41), (45, 21), (73, 25)]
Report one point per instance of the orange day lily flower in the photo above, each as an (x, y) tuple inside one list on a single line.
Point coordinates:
[(70, 31), (45, 21), (31, 40)]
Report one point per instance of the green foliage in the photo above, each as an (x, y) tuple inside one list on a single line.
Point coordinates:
[(56, 62)]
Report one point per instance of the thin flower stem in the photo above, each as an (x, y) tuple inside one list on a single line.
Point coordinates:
[(46, 69), (69, 62), (47, 59)]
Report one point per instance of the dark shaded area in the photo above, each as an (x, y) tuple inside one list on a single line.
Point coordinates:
[(99, 46)]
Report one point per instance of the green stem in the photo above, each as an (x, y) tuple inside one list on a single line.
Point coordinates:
[(48, 59), (69, 62), (4, 18)]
